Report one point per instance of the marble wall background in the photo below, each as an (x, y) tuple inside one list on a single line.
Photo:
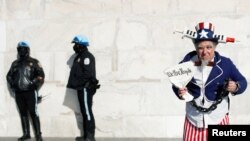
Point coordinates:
[(133, 42)]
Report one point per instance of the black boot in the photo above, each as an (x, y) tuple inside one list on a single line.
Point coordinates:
[(26, 129), (90, 137), (80, 138), (37, 128)]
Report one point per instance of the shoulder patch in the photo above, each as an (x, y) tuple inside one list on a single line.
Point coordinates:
[(86, 61)]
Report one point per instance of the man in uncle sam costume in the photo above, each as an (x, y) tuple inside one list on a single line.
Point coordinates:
[(214, 77)]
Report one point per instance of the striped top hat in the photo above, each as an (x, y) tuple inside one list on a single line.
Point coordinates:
[(205, 32)]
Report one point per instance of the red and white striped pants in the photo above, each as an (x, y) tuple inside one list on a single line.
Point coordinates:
[(192, 133)]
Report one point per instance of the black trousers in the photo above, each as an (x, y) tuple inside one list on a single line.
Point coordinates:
[(27, 103), (85, 97)]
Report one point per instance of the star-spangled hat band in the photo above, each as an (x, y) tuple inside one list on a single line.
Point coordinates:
[(205, 32)]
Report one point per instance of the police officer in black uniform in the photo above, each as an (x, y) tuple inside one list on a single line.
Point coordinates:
[(83, 79), (25, 77)]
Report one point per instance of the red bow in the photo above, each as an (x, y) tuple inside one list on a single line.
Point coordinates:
[(198, 63)]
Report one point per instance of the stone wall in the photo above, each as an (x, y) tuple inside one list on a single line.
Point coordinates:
[(133, 43)]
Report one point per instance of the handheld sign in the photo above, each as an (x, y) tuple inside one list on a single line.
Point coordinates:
[(180, 75)]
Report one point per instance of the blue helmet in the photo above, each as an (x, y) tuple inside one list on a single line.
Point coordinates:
[(81, 40), (23, 44)]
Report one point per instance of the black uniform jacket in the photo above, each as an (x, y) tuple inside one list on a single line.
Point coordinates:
[(83, 71), (26, 74)]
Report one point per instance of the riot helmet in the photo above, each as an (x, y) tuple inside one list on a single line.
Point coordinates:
[(81, 42), (23, 49)]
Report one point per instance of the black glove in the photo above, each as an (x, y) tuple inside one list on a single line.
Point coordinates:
[(34, 83), (95, 84)]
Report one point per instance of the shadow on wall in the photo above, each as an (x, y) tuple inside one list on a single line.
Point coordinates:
[(71, 100)]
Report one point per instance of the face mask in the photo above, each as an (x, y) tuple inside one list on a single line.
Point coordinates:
[(23, 52), (77, 48)]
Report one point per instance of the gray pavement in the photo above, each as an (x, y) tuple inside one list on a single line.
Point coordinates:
[(97, 139)]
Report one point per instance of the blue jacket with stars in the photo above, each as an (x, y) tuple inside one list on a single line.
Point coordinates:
[(223, 69)]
